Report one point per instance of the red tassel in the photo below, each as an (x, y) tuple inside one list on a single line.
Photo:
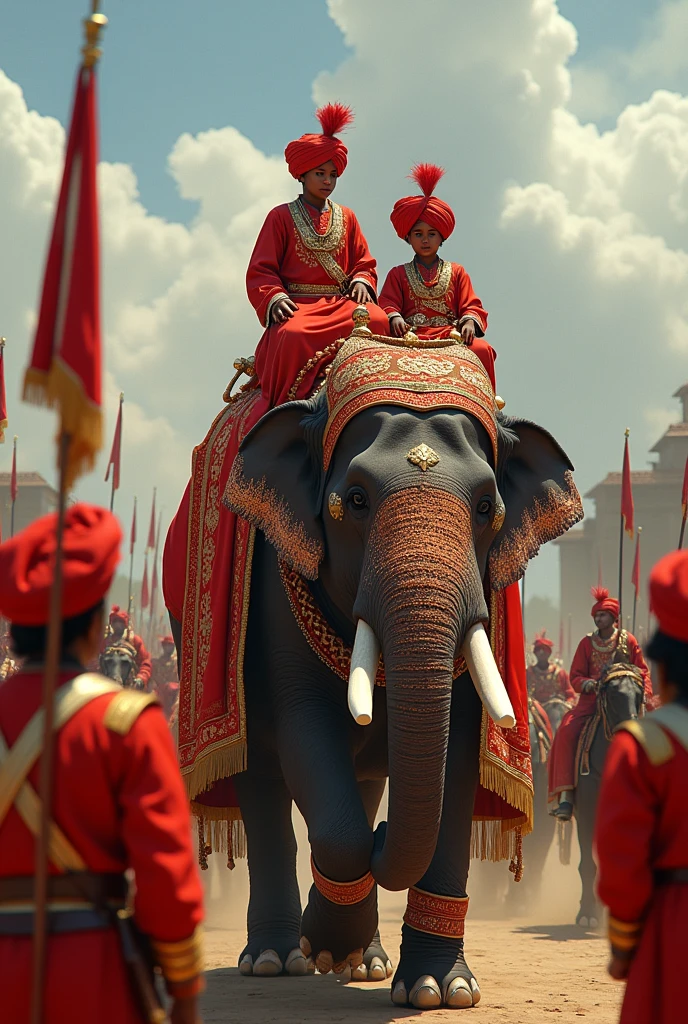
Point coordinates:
[(426, 176), (334, 118), (600, 593)]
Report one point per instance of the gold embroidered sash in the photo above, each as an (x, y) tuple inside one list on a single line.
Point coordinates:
[(322, 246)]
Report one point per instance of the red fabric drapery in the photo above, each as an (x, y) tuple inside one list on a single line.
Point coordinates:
[(627, 493), (116, 450)]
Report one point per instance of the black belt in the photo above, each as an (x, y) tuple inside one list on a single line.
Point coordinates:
[(98, 892), (671, 876), (21, 922)]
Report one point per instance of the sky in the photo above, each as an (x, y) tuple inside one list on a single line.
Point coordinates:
[(563, 128)]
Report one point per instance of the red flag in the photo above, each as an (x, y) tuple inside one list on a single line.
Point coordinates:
[(635, 575), (684, 492), (151, 529), (65, 367), (14, 490), (145, 593), (132, 535), (627, 492), (116, 452), (3, 399)]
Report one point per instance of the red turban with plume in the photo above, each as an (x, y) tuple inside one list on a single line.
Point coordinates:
[(118, 615), (90, 548), (604, 603), (427, 207), (311, 151), (542, 640), (669, 595)]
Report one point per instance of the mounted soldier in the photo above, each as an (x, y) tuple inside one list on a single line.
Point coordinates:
[(547, 681), (118, 798), (608, 645), (165, 677), (124, 656)]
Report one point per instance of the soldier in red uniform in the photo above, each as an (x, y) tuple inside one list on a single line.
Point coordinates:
[(119, 801), (165, 676), (642, 825), (545, 680), (121, 630), (431, 295), (594, 654)]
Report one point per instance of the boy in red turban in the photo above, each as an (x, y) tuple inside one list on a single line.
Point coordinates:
[(430, 295), (119, 801), (642, 825), (120, 629), (545, 680), (310, 268), (594, 654)]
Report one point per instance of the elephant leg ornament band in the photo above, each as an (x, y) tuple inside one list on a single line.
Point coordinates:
[(345, 894), (436, 915)]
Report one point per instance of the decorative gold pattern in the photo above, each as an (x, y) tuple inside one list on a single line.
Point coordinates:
[(499, 516), (548, 518), (436, 915), (428, 292), (180, 961), (344, 894), (310, 363), (265, 508), (422, 320), (125, 708), (334, 504), (363, 367), (427, 366), (314, 289), (313, 248), (422, 455)]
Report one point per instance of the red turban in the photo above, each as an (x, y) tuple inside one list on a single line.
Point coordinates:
[(92, 537), (427, 207), (604, 603), (118, 615), (167, 639), (543, 641), (311, 151), (669, 595)]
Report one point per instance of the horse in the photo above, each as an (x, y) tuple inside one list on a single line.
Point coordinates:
[(118, 662), (620, 697)]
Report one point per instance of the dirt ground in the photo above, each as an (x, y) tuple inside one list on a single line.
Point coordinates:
[(533, 967)]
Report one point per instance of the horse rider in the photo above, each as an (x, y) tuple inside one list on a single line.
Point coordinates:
[(165, 677), (545, 680), (119, 804), (120, 630), (642, 825), (595, 653)]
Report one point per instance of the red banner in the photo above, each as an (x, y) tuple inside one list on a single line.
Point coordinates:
[(116, 451), (65, 367), (151, 529), (627, 493)]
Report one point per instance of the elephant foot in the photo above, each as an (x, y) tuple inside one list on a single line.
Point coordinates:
[(376, 964), (588, 922), (432, 973), (336, 936), (270, 959)]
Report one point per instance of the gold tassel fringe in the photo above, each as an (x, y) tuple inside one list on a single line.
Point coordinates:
[(214, 765)]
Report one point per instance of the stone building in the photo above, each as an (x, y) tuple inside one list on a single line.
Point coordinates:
[(591, 551), (35, 498)]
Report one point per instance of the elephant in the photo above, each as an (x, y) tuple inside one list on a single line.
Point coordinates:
[(399, 528)]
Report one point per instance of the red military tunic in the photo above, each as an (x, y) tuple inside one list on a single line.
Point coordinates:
[(433, 300), (120, 800), (144, 663), (642, 827), (165, 681), (548, 684), (592, 657), (310, 257)]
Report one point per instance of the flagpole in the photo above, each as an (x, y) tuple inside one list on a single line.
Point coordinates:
[(523, 610), (132, 544), (45, 788), (682, 533), (14, 484), (636, 571), (621, 534)]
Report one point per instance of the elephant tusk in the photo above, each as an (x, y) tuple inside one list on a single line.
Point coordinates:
[(364, 659), (486, 678)]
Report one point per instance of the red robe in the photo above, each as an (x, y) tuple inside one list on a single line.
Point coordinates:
[(587, 664), (121, 802), (144, 664), (165, 682), (287, 261), (434, 300), (642, 827), (554, 682)]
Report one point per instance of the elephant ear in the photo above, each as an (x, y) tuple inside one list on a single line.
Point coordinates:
[(535, 480), (275, 483)]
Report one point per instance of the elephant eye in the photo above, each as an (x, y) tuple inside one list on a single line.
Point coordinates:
[(484, 506), (357, 500)]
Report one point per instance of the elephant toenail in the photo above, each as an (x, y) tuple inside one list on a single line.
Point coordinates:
[(296, 964), (268, 965), (355, 959), (305, 946), (377, 971), (458, 995), (246, 966), (399, 994), (359, 973), (475, 989), (425, 994)]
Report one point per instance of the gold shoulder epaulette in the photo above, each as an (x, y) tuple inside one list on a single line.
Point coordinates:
[(651, 738), (124, 708)]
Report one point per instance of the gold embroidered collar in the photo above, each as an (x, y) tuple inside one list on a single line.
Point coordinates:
[(424, 291), (331, 240)]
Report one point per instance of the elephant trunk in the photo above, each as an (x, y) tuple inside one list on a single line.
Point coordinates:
[(421, 592)]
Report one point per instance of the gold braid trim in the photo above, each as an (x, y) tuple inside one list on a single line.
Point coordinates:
[(624, 936), (125, 708), (216, 763), (180, 961), (436, 915)]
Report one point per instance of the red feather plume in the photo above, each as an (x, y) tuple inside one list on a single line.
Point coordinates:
[(334, 118), (426, 176), (599, 593)]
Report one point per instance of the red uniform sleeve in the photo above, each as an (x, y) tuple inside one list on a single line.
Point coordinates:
[(392, 294), (156, 829), (363, 266), (567, 691), (626, 819), (263, 277), (143, 660), (580, 668), (466, 302), (637, 659)]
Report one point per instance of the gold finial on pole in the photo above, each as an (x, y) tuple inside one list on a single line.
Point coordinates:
[(627, 432), (2, 342), (93, 27)]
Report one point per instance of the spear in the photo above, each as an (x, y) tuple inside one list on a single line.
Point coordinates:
[(14, 490), (684, 506), (132, 545), (626, 521)]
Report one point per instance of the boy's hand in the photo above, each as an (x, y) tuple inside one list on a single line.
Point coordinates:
[(468, 332), (398, 326), (282, 311), (618, 967), (185, 1011), (359, 293)]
